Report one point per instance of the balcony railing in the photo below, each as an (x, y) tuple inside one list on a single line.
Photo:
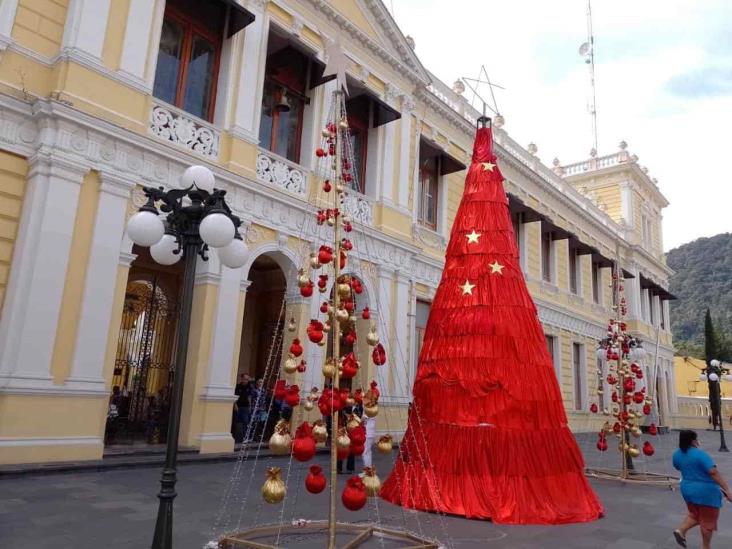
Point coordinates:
[(176, 126), (275, 170), (359, 207), (597, 163)]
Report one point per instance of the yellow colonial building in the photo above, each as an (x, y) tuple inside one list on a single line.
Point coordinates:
[(101, 97)]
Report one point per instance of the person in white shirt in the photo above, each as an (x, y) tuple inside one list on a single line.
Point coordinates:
[(370, 424)]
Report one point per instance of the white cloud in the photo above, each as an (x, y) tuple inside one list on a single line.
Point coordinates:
[(643, 50)]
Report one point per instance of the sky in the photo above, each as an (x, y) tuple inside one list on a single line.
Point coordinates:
[(663, 72)]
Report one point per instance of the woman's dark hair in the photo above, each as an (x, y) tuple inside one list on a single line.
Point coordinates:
[(686, 437)]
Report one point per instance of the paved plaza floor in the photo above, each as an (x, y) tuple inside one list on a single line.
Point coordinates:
[(116, 508)]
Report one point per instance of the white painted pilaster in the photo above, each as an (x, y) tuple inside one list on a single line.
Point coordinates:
[(385, 330), (387, 165), (7, 18), (86, 27), (138, 40), (400, 349), (405, 127), (626, 203), (101, 277), (224, 337), (40, 261), (251, 77)]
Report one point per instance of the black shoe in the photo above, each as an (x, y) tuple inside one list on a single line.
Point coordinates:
[(681, 540)]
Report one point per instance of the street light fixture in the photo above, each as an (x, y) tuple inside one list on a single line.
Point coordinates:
[(197, 219), (714, 373)]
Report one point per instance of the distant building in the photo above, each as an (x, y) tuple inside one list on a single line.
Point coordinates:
[(692, 394)]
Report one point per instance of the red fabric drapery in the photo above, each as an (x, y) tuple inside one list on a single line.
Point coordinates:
[(487, 436)]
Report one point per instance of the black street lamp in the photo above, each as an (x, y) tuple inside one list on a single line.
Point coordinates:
[(713, 375), (197, 218)]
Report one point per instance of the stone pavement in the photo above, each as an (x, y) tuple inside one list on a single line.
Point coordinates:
[(116, 508)]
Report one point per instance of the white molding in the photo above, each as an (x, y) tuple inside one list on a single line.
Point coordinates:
[(137, 42), (8, 9), (212, 437), (9, 442)]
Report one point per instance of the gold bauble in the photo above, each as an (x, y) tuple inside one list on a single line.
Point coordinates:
[(344, 290), (280, 443), (352, 319), (353, 420), (291, 325), (321, 343), (290, 366), (302, 279), (331, 221), (340, 188), (308, 405), (385, 444), (371, 410), (343, 441), (600, 391), (635, 431), (372, 337), (371, 481), (342, 315), (327, 326), (343, 124), (273, 489), (350, 401), (648, 399), (329, 368), (634, 451), (314, 261), (320, 432)]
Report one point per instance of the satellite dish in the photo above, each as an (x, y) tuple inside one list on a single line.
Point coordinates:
[(584, 49)]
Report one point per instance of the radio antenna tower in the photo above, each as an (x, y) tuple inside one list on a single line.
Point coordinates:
[(587, 50)]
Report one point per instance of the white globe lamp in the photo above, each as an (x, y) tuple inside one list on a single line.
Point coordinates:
[(702, 377), (714, 363), (234, 254), (145, 228), (200, 176), (713, 377), (217, 230), (163, 252)]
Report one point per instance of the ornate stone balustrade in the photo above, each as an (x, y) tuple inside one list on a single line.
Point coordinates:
[(175, 126), (597, 163), (275, 170), (359, 207)]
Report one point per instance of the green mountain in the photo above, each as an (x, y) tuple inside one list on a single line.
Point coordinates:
[(703, 280)]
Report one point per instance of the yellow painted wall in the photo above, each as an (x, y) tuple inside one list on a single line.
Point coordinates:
[(13, 171), (64, 345), (114, 39), (39, 25)]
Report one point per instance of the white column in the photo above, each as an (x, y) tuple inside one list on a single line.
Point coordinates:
[(37, 278), (221, 361), (251, 77), (384, 328), (101, 277), (400, 349), (626, 203), (405, 126), (7, 18), (137, 41), (86, 27), (633, 296), (387, 165)]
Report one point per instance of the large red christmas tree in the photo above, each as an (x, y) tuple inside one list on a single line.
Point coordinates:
[(487, 435)]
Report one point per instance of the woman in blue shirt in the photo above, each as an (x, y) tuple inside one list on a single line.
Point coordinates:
[(702, 487)]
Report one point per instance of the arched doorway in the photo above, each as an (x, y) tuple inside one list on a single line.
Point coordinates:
[(143, 369)]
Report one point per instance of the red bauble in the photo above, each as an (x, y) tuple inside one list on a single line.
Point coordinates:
[(354, 494), (324, 307), (315, 481), (379, 355), (357, 435), (350, 338), (358, 396), (322, 281), (356, 449), (347, 227), (350, 367), (375, 389), (329, 401), (346, 244), (343, 393), (321, 217), (629, 385), (639, 374), (302, 366), (357, 286), (292, 397), (365, 314), (280, 390), (296, 348), (327, 186), (626, 399), (593, 408), (343, 259), (638, 397), (307, 290), (331, 149), (624, 416), (325, 255), (611, 379), (347, 177), (343, 453), (303, 447), (602, 445), (653, 430), (614, 396), (315, 331), (348, 306), (646, 409), (320, 153), (648, 448), (616, 427)]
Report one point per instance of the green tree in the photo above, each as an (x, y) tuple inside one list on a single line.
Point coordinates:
[(711, 346)]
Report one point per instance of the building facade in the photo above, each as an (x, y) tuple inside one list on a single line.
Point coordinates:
[(101, 97)]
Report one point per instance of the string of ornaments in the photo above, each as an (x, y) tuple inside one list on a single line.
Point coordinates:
[(339, 322), (630, 400)]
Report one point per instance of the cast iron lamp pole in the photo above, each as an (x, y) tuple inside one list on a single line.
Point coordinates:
[(713, 375), (197, 217)]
